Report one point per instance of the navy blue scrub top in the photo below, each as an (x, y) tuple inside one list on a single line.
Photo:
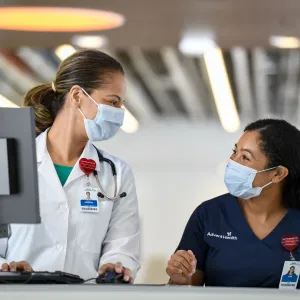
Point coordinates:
[(227, 250)]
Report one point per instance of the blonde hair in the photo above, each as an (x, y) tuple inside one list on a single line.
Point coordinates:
[(87, 68)]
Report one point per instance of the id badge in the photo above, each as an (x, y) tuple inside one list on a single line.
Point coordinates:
[(290, 275), (89, 200)]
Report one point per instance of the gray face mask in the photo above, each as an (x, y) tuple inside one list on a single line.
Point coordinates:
[(239, 180), (106, 123)]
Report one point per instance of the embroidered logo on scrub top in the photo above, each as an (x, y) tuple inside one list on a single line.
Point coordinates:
[(229, 236)]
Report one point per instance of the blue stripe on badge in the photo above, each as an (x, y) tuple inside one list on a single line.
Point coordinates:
[(90, 203)]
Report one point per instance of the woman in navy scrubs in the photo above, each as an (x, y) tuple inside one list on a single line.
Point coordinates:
[(235, 239)]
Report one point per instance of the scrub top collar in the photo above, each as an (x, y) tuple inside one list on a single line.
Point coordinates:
[(272, 238)]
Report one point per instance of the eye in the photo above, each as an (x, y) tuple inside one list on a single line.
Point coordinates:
[(234, 151), (246, 158), (112, 102)]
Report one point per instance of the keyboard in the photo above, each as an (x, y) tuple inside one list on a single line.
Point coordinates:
[(45, 277)]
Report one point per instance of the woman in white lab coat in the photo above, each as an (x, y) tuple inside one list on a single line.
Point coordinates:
[(82, 105)]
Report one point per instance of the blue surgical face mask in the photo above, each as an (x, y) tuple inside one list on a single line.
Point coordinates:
[(239, 180), (106, 123)]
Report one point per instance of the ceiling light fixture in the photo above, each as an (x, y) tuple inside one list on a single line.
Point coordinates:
[(196, 41), (58, 19), (64, 51), (89, 41), (4, 102), (196, 46), (221, 89), (286, 42), (131, 124)]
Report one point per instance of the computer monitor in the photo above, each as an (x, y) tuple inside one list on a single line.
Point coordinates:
[(19, 197)]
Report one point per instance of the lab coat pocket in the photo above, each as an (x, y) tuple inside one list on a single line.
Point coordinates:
[(92, 228)]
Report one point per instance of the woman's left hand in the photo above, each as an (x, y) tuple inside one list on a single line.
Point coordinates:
[(118, 268)]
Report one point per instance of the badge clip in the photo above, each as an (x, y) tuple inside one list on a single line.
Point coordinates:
[(290, 242), (87, 166)]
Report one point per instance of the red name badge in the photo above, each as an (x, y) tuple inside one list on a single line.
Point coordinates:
[(87, 166), (290, 242)]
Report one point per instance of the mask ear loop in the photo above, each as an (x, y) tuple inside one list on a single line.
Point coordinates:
[(84, 91), (81, 113), (89, 96), (265, 171), (267, 184)]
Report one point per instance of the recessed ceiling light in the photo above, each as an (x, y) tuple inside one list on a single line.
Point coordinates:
[(196, 41), (64, 51), (57, 19), (287, 42), (89, 41), (196, 45)]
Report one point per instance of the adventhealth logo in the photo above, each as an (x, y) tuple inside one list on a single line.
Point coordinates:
[(229, 236)]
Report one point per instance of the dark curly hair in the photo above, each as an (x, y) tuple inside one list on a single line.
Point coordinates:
[(280, 141)]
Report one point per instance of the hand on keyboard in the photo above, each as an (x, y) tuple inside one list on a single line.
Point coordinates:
[(16, 266)]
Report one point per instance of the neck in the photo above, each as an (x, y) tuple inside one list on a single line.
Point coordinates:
[(64, 144), (264, 206)]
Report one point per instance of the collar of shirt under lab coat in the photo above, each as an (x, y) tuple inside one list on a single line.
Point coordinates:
[(44, 159)]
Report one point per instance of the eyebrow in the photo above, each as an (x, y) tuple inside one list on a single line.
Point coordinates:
[(246, 150), (113, 95)]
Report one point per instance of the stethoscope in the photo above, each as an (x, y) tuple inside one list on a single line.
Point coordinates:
[(102, 194)]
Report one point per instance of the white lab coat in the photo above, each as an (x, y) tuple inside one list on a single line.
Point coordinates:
[(73, 241)]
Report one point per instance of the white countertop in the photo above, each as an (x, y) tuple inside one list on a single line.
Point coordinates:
[(139, 292)]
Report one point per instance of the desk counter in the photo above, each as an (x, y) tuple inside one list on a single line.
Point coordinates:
[(139, 292)]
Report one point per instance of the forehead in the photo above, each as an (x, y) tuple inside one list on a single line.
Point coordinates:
[(114, 83), (249, 139)]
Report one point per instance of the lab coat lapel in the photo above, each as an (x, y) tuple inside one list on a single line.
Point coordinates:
[(46, 167), (89, 152)]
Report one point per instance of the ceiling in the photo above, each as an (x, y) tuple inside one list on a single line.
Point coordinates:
[(155, 23), (162, 82)]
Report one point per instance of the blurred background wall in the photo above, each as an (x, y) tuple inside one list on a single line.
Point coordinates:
[(197, 72), (177, 165)]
